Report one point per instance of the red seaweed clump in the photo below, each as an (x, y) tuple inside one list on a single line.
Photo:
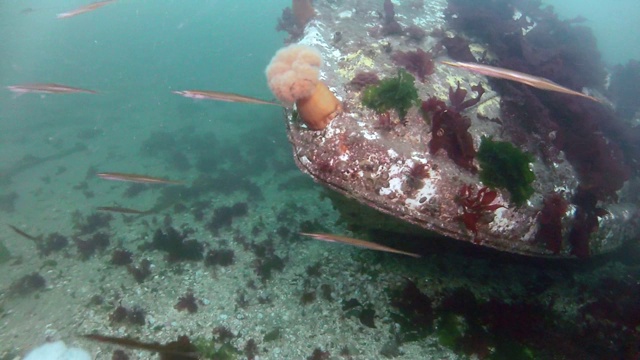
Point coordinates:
[(390, 25), (585, 221), (221, 257), (458, 48), (187, 302), (141, 272), (176, 245), (476, 205), (449, 129), (416, 174), (121, 257), (318, 354), (550, 221), (288, 23), (224, 216), (52, 243), (419, 62), (133, 316), (415, 33), (415, 309), (98, 242), (91, 223), (363, 79), (27, 284)]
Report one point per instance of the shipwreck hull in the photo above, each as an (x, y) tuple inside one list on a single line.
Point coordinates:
[(360, 159)]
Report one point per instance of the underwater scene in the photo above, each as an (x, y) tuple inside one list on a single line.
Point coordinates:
[(319, 179)]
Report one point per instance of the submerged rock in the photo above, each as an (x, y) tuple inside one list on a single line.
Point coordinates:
[(421, 167)]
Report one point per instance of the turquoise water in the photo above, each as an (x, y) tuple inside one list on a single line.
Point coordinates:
[(134, 54), (614, 23)]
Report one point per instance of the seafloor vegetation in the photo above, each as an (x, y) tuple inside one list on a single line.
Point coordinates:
[(216, 266)]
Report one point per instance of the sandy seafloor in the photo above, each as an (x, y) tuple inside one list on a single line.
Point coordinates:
[(247, 137)]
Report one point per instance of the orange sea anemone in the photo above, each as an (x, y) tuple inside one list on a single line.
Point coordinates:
[(293, 78)]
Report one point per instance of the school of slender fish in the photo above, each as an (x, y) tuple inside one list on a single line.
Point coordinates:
[(54, 88)]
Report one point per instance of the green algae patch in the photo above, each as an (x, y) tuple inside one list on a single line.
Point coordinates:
[(507, 167), (398, 93)]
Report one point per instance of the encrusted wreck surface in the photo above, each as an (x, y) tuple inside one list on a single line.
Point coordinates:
[(386, 163)]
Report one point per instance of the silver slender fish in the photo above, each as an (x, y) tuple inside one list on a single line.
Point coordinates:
[(358, 243), (531, 80), (222, 96), (84, 9), (47, 88), (123, 210), (143, 179)]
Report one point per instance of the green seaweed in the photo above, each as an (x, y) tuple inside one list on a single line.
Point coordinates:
[(505, 166), (210, 349), (397, 93)]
